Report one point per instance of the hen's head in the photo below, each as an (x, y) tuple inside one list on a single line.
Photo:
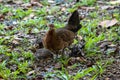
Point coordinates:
[(51, 31), (51, 26)]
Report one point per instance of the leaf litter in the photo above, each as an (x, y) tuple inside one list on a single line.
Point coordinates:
[(77, 53), (108, 23)]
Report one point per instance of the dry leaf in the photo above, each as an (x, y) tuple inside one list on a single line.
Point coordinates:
[(9, 27), (17, 1), (26, 5), (1, 1), (58, 65), (36, 3), (2, 17), (107, 78), (1, 78), (81, 59), (101, 2), (115, 2), (51, 1), (15, 41), (31, 72), (106, 7), (29, 17), (108, 23), (9, 14), (79, 37), (103, 43), (33, 1), (63, 8), (88, 8), (74, 60)]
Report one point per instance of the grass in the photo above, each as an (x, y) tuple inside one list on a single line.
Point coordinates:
[(23, 58), (94, 71)]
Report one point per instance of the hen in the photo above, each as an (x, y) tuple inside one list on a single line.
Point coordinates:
[(59, 39)]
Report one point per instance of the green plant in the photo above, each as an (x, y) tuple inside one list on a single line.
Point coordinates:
[(100, 67), (20, 13), (64, 60), (26, 1), (63, 74), (54, 10), (4, 71), (41, 12), (84, 3), (22, 67), (4, 9), (14, 75), (93, 14), (88, 2), (91, 42), (58, 24), (28, 55), (45, 2), (83, 73)]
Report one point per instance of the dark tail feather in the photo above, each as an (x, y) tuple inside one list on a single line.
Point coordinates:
[(77, 0), (74, 19), (74, 22)]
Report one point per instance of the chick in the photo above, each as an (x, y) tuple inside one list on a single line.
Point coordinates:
[(43, 54)]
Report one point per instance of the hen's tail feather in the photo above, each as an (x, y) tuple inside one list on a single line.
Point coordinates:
[(74, 19), (74, 22)]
